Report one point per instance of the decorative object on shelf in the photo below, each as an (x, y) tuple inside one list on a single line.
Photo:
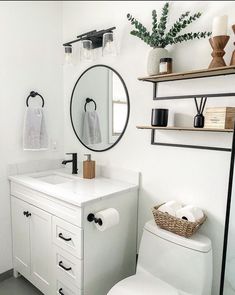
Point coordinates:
[(165, 66), (159, 38), (218, 41), (218, 44), (220, 26), (199, 118), (90, 40), (232, 62), (220, 117), (159, 117), (154, 57)]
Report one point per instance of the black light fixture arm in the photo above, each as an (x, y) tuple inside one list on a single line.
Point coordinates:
[(94, 36), (96, 33), (79, 38)]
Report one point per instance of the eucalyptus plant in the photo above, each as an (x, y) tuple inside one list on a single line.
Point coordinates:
[(158, 37)]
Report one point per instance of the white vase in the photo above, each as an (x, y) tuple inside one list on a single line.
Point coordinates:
[(154, 59)]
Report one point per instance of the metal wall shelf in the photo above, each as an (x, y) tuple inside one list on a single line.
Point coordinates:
[(223, 71)]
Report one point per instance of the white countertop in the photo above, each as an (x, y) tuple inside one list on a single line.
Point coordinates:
[(75, 190)]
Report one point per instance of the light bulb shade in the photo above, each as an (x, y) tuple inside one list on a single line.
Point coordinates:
[(68, 49), (109, 44), (86, 50), (68, 54)]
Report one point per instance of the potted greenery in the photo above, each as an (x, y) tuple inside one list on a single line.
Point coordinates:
[(159, 38)]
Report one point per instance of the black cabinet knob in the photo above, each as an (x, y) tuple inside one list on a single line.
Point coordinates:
[(27, 214), (61, 291)]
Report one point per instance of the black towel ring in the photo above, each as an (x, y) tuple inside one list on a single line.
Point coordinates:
[(88, 100), (33, 94)]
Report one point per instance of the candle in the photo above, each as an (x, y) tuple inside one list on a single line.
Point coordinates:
[(220, 25)]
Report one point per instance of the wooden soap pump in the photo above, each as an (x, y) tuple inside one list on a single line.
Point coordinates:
[(88, 167)]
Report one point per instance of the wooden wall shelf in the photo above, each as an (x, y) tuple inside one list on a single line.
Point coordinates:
[(186, 129), (204, 73)]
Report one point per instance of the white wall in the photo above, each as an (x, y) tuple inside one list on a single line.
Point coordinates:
[(31, 59), (191, 176)]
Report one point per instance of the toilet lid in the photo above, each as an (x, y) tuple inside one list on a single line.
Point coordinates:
[(140, 284)]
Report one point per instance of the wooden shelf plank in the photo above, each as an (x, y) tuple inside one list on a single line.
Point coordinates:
[(186, 129), (228, 70)]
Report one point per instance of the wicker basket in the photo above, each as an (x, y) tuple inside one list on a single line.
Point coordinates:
[(176, 225)]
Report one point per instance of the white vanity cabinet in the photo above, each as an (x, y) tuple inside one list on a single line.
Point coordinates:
[(59, 251), (31, 231)]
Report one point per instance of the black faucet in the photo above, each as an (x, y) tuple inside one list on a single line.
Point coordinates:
[(74, 161)]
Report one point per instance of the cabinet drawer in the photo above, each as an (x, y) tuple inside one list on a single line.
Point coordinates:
[(64, 289), (68, 236), (48, 203), (68, 267)]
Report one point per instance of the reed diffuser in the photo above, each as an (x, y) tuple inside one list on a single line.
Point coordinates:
[(199, 118)]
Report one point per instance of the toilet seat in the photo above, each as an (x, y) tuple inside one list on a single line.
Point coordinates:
[(140, 284)]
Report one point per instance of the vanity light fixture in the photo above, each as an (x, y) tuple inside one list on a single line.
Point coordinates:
[(92, 40)]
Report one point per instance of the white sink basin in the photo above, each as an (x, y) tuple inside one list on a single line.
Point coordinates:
[(54, 179)]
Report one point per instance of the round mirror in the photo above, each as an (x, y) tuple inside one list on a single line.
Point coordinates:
[(99, 108)]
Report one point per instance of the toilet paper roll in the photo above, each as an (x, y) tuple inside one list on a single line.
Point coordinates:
[(109, 217), (170, 207), (190, 213)]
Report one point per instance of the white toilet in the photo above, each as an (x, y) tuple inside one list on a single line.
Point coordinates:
[(169, 265)]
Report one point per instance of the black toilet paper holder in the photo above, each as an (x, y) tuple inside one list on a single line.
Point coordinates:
[(91, 217)]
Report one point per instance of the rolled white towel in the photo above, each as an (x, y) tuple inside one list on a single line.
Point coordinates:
[(190, 213), (170, 207)]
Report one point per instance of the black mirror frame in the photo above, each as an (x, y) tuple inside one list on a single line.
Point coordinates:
[(128, 107)]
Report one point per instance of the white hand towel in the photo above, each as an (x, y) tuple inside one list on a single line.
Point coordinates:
[(91, 128), (35, 136), (190, 213), (170, 207)]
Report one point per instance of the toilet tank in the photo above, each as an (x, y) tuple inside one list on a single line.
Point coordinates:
[(183, 263)]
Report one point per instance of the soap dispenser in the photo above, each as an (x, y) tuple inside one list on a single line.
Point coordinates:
[(88, 167)]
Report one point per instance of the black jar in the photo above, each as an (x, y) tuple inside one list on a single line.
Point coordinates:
[(159, 117)]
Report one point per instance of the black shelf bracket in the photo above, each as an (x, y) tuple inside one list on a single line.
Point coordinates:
[(227, 217), (201, 147)]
